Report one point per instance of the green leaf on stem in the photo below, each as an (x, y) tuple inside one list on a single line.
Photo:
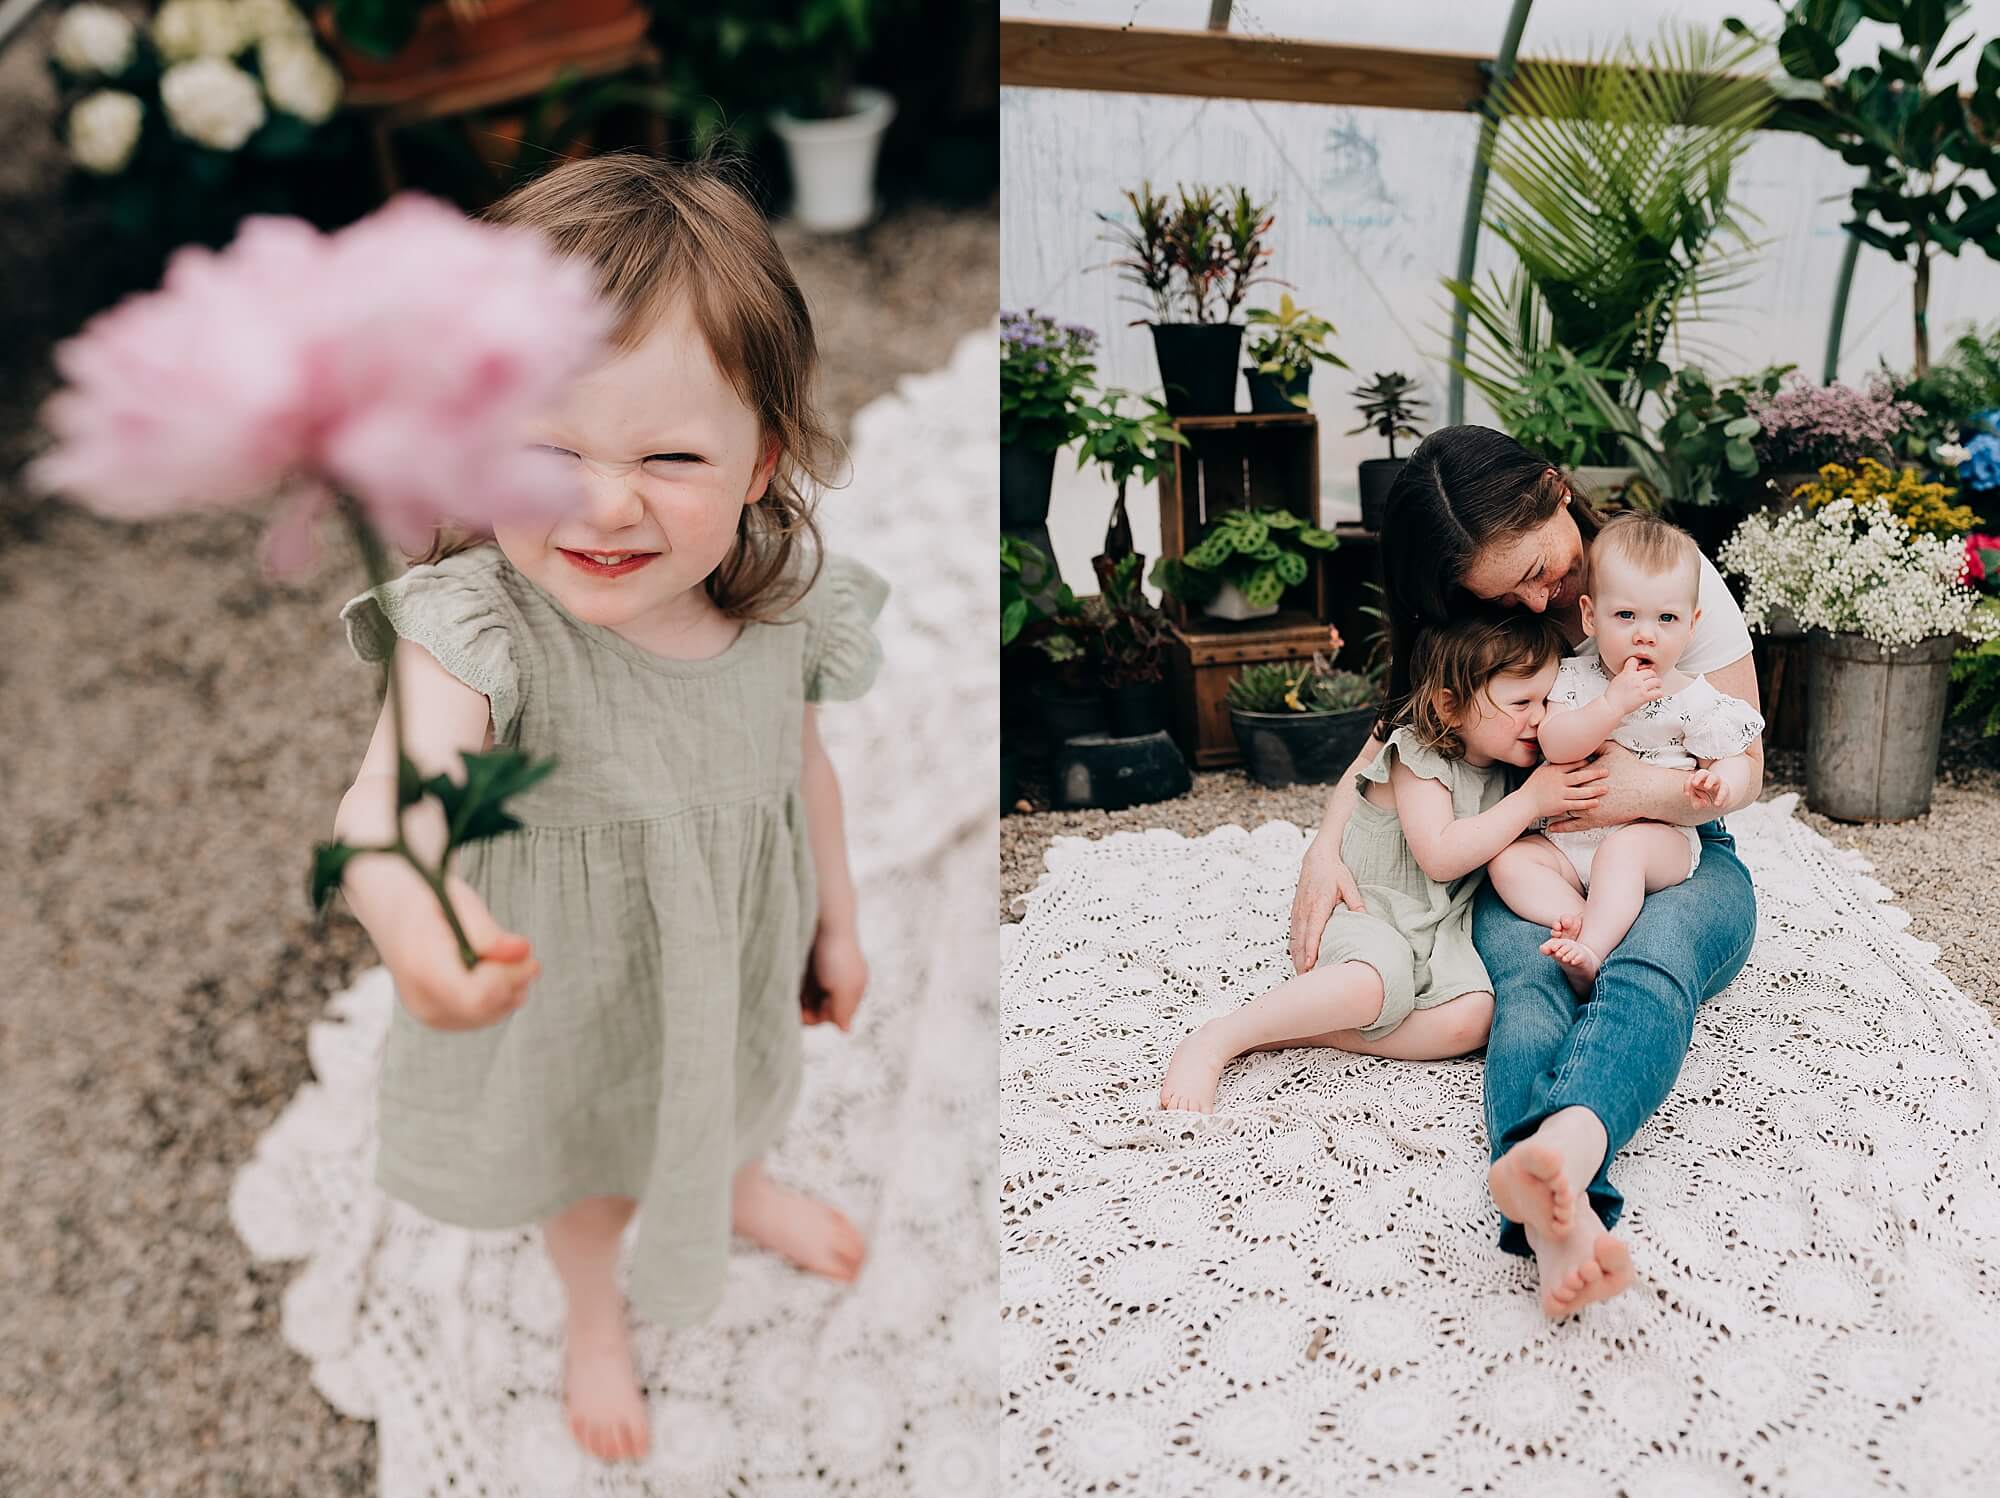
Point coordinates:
[(329, 863), (474, 809)]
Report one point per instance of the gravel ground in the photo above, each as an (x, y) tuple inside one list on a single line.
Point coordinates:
[(1931, 863), (175, 735)]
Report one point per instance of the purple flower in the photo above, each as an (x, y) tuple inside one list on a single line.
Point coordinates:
[(1805, 426)]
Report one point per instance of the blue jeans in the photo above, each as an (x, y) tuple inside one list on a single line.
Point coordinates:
[(1618, 1051)]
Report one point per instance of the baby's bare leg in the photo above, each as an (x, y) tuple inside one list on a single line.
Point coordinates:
[(1457, 1027), (607, 1414), (1344, 996), (815, 1237), (1536, 881), (1633, 862)]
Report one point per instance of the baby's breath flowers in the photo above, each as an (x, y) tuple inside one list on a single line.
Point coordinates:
[(1852, 567)]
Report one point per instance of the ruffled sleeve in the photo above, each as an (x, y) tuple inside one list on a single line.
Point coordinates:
[(1420, 760), (842, 652), (457, 611), (1730, 726)]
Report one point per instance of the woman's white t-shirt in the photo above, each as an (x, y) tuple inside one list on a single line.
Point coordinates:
[(1720, 637)]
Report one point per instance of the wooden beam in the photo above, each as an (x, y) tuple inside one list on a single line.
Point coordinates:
[(1228, 65)]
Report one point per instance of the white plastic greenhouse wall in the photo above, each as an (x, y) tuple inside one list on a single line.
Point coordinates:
[(1369, 208)]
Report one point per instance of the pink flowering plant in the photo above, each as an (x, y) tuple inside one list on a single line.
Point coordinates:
[(1805, 426), (382, 373)]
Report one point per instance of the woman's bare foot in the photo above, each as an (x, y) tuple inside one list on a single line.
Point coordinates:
[(1196, 1071), (1580, 1266), (1530, 1185), (792, 1225), (607, 1413), (1578, 962)]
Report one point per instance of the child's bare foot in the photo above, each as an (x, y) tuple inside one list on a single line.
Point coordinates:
[(1531, 1185), (812, 1235), (607, 1413), (1195, 1071), (1578, 962), (1580, 1266)]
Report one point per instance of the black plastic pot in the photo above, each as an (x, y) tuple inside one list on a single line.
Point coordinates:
[(1377, 474), (1025, 479), (1070, 714), (1281, 749), (1137, 708), (1198, 366), (1271, 396)]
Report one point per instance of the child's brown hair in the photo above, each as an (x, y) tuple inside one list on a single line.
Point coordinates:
[(1460, 659), (1652, 545), (656, 230)]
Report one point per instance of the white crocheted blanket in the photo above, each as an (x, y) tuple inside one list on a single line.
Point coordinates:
[(451, 1340), (1303, 1294)]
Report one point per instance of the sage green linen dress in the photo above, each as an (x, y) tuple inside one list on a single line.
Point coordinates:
[(664, 875), (1415, 932)]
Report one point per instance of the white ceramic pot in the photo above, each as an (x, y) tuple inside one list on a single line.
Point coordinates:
[(833, 162), (1230, 603)]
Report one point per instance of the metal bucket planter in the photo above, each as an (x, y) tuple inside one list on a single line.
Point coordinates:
[(1281, 749), (1873, 721)]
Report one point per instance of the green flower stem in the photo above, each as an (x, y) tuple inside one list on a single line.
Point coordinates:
[(378, 573)]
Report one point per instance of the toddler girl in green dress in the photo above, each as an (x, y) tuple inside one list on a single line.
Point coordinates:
[(1397, 975), (680, 884)]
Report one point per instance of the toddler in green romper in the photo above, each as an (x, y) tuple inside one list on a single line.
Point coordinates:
[(665, 878)]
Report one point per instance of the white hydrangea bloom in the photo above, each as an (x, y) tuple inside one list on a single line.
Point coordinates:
[(1856, 569), (186, 29), (103, 129), (93, 39), (1951, 454), (212, 102), (263, 19), (298, 78)]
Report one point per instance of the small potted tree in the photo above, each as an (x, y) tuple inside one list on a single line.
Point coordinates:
[(1885, 607), (1282, 356), (1242, 567), (1301, 721), (1194, 261), (1387, 405), (1045, 375), (832, 127)]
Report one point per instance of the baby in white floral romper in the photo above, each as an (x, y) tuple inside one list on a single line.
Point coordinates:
[(1639, 610)]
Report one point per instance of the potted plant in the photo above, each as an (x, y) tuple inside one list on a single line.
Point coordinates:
[(1194, 260), (833, 127), (1885, 606), (1707, 444), (1039, 614), (1045, 374), (1132, 648), (1803, 427), (1241, 568), (1282, 359), (1301, 721), (1924, 149), (1387, 407)]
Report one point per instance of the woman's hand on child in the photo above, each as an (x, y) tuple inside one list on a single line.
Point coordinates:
[(1567, 790), (436, 986), (1706, 788), (1325, 884), (1634, 687), (836, 974)]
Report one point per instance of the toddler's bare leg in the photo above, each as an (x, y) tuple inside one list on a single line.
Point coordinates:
[(1344, 996), (1633, 862), (792, 1225), (1457, 1027), (607, 1414), (1536, 881)]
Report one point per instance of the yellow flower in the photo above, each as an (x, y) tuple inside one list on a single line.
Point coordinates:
[(1924, 508)]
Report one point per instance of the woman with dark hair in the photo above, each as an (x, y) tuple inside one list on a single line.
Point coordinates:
[(1476, 521)]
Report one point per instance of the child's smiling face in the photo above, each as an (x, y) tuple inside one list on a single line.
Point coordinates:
[(695, 455), (1505, 717)]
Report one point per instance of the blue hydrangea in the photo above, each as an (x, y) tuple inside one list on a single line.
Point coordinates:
[(1981, 468), (1984, 421)]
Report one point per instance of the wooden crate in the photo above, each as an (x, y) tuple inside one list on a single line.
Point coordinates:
[(1235, 463), (1203, 659)]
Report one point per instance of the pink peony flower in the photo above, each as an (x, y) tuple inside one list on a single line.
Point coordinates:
[(396, 361)]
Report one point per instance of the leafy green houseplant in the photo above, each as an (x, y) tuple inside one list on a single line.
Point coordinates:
[(1242, 567), (1299, 721), (1125, 446), (1950, 398), (1612, 188), (1388, 405), (1046, 369), (1193, 260), (1290, 342), (1931, 154)]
